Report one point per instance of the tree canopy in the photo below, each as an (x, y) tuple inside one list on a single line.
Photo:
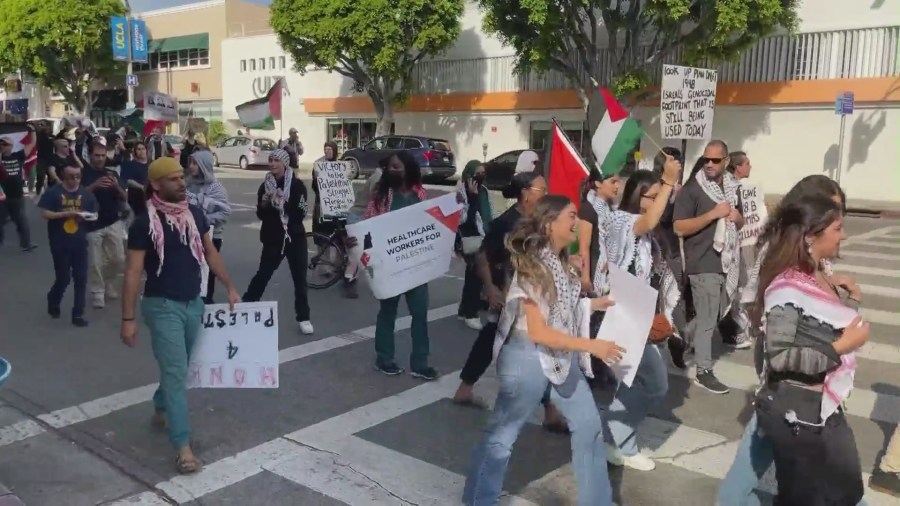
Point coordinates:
[(569, 36), (65, 46), (376, 43)]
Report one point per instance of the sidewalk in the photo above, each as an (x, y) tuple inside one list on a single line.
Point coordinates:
[(7, 498)]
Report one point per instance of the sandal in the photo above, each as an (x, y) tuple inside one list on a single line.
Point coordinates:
[(188, 465), (472, 402)]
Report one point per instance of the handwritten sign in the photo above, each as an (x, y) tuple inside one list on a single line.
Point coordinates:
[(159, 107), (756, 215), (335, 191), (687, 102), (403, 249), (236, 349)]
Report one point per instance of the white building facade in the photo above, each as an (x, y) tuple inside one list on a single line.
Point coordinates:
[(776, 103)]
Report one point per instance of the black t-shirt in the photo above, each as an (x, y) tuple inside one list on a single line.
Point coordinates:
[(494, 246), (587, 213), (180, 276), (107, 198), (59, 163), (69, 231), (700, 256), (13, 172)]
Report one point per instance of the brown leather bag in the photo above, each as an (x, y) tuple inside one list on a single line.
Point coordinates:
[(661, 329)]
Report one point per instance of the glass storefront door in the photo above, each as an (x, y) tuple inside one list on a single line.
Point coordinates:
[(350, 133)]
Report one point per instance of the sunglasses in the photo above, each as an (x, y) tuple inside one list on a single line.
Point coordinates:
[(707, 159)]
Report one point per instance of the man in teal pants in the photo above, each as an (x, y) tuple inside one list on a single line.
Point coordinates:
[(171, 242)]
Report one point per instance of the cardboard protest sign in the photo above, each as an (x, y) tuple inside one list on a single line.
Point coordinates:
[(756, 215), (336, 196), (687, 102), (403, 249), (160, 107), (236, 349)]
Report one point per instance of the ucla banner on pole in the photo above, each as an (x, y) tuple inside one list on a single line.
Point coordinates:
[(139, 51), (119, 28), (236, 349), (403, 249)]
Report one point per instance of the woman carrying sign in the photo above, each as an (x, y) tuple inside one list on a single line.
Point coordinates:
[(327, 226)]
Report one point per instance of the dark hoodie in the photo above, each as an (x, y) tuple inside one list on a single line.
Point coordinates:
[(271, 230)]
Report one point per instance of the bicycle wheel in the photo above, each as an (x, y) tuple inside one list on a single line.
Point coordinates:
[(327, 261)]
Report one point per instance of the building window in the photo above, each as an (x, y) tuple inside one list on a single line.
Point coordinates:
[(282, 62), (243, 65), (262, 64), (252, 64), (540, 134), (184, 58), (349, 133), (272, 62)]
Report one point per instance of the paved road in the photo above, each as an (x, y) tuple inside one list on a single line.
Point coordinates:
[(74, 415)]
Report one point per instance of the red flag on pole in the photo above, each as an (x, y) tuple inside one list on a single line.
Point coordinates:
[(566, 170)]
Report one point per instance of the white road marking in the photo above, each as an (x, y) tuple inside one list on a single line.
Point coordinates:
[(103, 406), (869, 255), (882, 317), (143, 499), (883, 291), (878, 244), (872, 271)]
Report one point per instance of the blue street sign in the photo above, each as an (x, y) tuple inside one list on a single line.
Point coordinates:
[(138, 41), (120, 46), (131, 80), (843, 103)]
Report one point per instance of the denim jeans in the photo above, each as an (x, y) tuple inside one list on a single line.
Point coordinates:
[(70, 263), (754, 456), (631, 404), (522, 385), (174, 326)]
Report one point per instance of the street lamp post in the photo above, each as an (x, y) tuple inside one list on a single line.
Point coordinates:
[(130, 63)]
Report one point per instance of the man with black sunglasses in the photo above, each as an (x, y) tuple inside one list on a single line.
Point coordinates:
[(707, 217)]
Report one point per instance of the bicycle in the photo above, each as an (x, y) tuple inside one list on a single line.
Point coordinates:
[(328, 256)]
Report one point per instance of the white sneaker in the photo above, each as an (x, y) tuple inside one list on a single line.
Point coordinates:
[(473, 323), (306, 327), (99, 301), (742, 342), (639, 462), (614, 456)]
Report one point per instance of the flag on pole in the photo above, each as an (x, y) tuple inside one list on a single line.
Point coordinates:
[(615, 137), (566, 170), (15, 133), (260, 114)]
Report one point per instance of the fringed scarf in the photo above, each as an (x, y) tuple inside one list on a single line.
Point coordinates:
[(803, 292), (280, 199), (727, 241), (377, 207), (180, 219), (604, 217)]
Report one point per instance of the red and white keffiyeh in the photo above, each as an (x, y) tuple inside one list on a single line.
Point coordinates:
[(179, 218)]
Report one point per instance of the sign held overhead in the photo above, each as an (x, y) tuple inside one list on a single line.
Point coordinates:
[(687, 102)]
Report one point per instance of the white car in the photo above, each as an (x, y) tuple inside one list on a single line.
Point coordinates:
[(244, 151)]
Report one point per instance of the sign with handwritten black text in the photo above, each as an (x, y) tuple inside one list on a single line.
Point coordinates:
[(687, 102), (236, 349), (335, 191)]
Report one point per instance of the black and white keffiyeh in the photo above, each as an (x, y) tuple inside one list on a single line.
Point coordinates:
[(726, 241), (280, 199), (604, 215)]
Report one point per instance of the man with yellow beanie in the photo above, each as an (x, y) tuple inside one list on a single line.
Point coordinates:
[(173, 245)]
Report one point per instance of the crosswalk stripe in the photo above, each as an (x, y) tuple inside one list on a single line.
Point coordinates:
[(143, 499), (873, 271), (883, 291), (880, 316), (878, 244), (870, 255)]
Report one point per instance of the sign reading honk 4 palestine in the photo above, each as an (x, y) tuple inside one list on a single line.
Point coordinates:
[(403, 249)]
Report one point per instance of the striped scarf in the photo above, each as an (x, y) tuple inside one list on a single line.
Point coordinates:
[(178, 218)]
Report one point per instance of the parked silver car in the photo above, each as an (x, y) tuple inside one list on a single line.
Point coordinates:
[(244, 151)]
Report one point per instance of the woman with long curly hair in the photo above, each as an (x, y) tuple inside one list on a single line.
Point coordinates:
[(542, 343), (812, 330)]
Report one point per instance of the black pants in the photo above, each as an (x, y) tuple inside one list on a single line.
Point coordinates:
[(269, 260), (211, 280), (70, 263), (41, 177), (480, 356), (14, 209), (471, 293), (815, 466)]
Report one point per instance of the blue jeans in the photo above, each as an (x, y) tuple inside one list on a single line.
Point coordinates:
[(631, 404), (522, 385), (70, 263), (753, 458), (174, 326)]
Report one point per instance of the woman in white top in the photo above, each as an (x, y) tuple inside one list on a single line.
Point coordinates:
[(538, 349)]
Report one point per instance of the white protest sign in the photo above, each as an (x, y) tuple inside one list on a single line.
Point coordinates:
[(236, 349), (687, 102), (403, 249), (160, 107), (756, 215), (628, 322), (336, 196)]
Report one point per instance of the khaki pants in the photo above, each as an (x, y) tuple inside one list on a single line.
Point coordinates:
[(890, 463), (107, 260)]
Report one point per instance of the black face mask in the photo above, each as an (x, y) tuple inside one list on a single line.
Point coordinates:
[(478, 178), (394, 179)]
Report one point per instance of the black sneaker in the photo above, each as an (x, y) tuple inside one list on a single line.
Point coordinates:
[(390, 369), (79, 321), (677, 348), (425, 373), (888, 483), (350, 291), (706, 379), (53, 311), (29, 248)]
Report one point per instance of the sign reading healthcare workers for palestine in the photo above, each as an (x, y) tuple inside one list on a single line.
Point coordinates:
[(236, 349), (403, 249)]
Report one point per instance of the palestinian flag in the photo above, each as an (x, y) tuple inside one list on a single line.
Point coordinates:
[(616, 136), (260, 114), (566, 170), (16, 134)]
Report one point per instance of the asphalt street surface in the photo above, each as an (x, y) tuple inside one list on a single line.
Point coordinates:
[(74, 416)]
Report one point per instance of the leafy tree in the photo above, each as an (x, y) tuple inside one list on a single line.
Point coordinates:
[(66, 46), (568, 36), (376, 43), (217, 132)]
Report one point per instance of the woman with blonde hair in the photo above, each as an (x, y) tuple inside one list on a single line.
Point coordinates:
[(539, 348)]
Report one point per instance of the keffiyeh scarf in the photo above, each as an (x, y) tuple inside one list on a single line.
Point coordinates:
[(803, 292), (280, 199), (727, 241), (180, 219), (378, 207), (604, 216)]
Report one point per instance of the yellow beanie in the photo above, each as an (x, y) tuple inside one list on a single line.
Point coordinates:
[(163, 167)]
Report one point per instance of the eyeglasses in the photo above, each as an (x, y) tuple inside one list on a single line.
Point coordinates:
[(650, 197), (707, 159)]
